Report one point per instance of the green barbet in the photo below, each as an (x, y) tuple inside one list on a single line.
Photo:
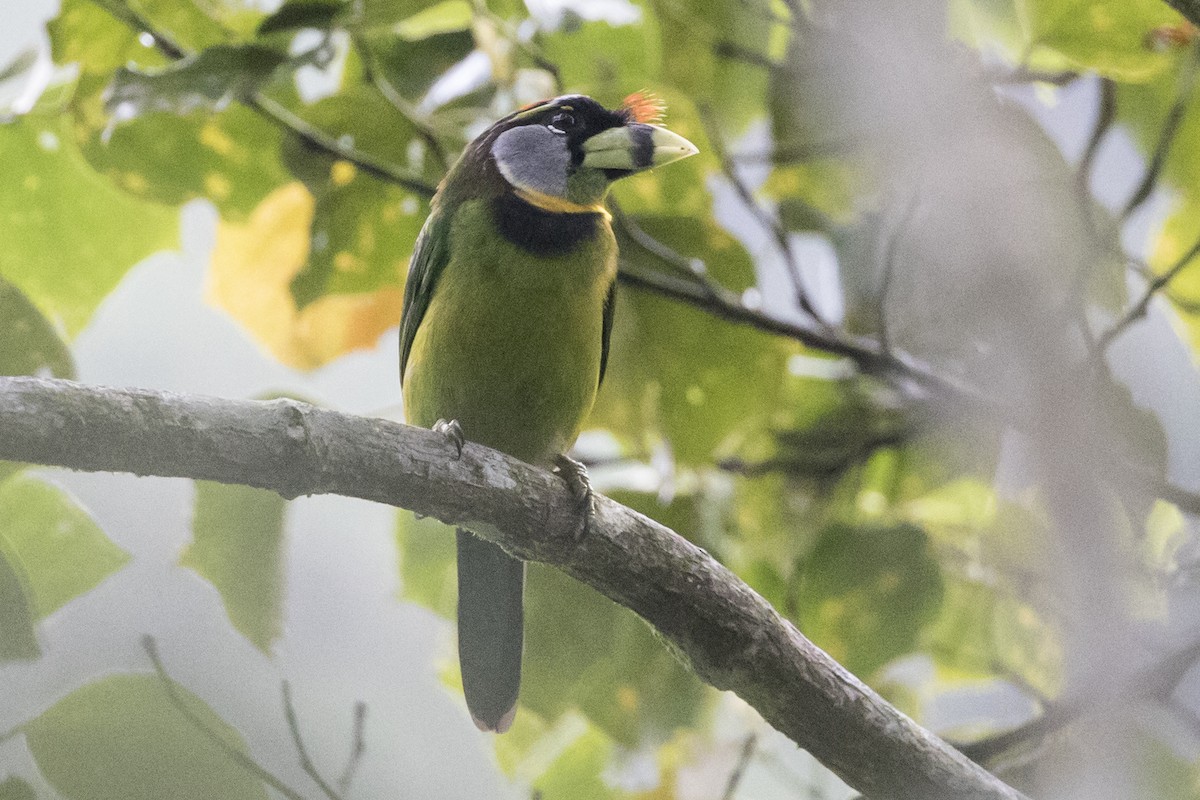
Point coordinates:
[(505, 332)]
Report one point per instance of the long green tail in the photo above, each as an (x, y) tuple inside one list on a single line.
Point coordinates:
[(490, 630)]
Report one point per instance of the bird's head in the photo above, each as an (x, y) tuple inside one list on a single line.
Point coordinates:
[(563, 154)]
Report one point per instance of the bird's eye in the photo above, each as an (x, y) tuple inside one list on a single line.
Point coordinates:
[(561, 122)]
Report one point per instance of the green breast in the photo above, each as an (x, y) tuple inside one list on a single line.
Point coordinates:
[(510, 344)]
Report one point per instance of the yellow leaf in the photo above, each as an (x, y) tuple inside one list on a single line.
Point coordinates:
[(252, 267)]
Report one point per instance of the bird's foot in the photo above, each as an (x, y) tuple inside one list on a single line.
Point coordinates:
[(453, 433), (576, 476)]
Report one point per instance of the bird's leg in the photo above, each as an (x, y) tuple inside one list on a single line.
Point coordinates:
[(576, 476), (453, 433)]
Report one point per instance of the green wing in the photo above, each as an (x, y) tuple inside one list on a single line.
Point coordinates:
[(610, 305), (429, 258)]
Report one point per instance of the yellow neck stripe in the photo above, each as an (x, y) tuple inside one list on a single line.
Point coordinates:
[(559, 205)]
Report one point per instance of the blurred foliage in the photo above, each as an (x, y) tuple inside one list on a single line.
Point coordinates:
[(882, 522), (237, 544)]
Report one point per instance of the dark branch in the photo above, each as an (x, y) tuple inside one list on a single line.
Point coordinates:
[(1156, 682), (233, 754), (1166, 138), (306, 762), (1139, 309), (730, 636)]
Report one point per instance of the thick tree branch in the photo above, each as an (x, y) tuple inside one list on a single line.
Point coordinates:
[(730, 636)]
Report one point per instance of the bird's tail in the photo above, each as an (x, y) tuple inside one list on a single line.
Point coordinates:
[(490, 630)]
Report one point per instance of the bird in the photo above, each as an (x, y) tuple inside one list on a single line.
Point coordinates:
[(505, 328)]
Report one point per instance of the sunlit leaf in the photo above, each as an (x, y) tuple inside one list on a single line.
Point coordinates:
[(121, 738), (62, 550), (445, 17), (252, 268), (29, 345), (867, 592), (1108, 36), (982, 630), (237, 543), (71, 234)]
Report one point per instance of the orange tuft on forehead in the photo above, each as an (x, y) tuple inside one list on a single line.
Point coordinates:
[(643, 107)]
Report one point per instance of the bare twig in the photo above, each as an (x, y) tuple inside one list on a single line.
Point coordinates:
[(1106, 112), (306, 763), (379, 79), (1139, 309), (1022, 73), (233, 754), (358, 746), (739, 769), (764, 217)]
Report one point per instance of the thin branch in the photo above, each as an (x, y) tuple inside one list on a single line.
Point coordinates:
[(233, 754), (1022, 73), (729, 635), (1158, 681), (1139, 309), (764, 217), (379, 79), (739, 769), (276, 112), (358, 746), (306, 763), (1106, 113), (1166, 137)]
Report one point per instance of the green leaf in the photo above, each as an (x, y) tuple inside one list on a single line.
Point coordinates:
[(1107, 36), (428, 575), (607, 61), (211, 79), (578, 771), (981, 629), (619, 676), (16, 789), (679, 373), (237, 545), (63, 552), (867, 592), (362, 235), (29, 345), (411, 67), (18, 637), (71, 235), (300, 14), (449, 16), (363, 229), (84, 33), (121, 738)]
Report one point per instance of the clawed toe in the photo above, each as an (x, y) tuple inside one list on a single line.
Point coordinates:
[(575, 475), (453, 432)]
